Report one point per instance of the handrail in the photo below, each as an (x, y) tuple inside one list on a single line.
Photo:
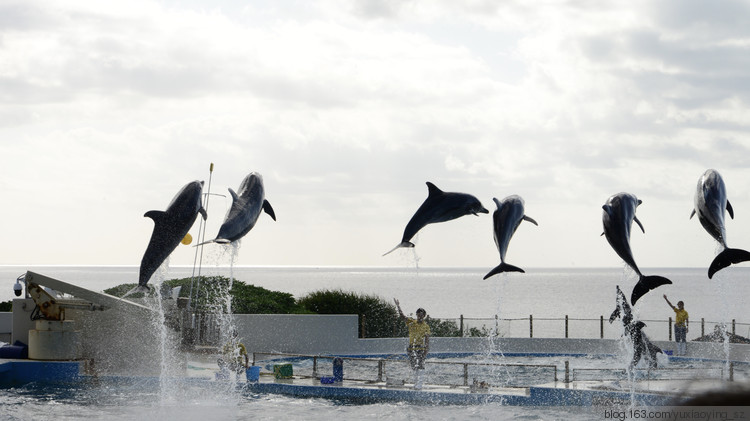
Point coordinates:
[(382, 361)]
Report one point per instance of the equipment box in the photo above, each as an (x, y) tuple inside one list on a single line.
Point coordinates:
[(283, 371)]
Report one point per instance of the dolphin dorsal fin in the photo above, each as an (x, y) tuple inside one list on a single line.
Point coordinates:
[(635, 218), (156, 215), (530, 219), (497, 203), (268, 209), (234, 195), (730, 210), (433, 190)]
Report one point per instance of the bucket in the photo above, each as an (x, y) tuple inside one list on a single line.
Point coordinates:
[(338, 369), (253, 373)]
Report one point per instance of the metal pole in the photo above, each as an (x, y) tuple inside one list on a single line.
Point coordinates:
[(567, 371), (362, 326), (733, 322), (461, 326), (566, 326), (703, 326), (601, 327), (466, 374), (670, 328), (531, 325), (381, 368), (201, 238), (315, 366)]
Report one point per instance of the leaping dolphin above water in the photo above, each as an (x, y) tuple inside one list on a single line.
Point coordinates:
[(633, 330), (505, 221), (617, 217), (439, 206), (170, 227), (245, 210), (710, 203)]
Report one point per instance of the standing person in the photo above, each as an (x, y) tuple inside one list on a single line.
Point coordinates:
[(419, 342), (680, 325)]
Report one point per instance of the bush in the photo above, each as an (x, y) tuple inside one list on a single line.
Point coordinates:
[(209, 292), (381, 317), (6, 306)]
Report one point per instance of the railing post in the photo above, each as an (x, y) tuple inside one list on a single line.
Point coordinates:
[(601, 327), (531, 325), (733, 320), (566, 326), (315, 367), (703, 326), (670, 328), (381, 368), (567, 371), (362, 326), (461, 326), (731, 371), (466, 374)]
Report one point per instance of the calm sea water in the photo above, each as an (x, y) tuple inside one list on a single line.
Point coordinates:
[(448, 293), (445, 293)]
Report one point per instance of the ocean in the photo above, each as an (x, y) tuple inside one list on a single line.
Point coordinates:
[(546, 294)]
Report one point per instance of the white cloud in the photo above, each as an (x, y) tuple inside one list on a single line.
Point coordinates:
[(348, 108)]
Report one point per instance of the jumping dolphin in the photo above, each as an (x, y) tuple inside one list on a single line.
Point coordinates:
[(618, 217), (245, 210), (505, 221), (642, 347), (710, 204), (439, 206), (170, 227)]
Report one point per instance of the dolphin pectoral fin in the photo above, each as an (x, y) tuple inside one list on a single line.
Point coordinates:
[(615, 314), (530, 219), (401, 244), (503, 267), (726, 258), (692, 214), (268, 209), (203, 213), (646, 284), (207, 242), (639, 224), (730, 210)]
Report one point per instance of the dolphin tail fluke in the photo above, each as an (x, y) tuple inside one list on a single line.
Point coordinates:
[(646, 284), (503, 267), (726, 258), (401, 244)]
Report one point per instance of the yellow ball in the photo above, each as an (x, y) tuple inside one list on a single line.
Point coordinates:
[(188, 239)]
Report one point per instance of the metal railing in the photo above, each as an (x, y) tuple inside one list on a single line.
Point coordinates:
[(382, 364), (582, 328)]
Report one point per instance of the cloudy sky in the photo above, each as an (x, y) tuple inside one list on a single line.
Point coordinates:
[(347, 108)]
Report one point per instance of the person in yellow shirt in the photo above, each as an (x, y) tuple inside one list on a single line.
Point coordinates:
[(419, 342), (680, 325)]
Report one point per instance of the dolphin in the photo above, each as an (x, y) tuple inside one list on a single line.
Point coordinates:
[(710, 203), (505, 221), (642, 347), (618, 216), (245, 210), (439, 206), (170, 227)]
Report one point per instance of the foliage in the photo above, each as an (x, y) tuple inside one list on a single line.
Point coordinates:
[(380, 316), (209, 292), (6, 305)]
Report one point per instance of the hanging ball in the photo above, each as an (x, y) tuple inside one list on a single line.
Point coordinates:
[(188, 239)]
